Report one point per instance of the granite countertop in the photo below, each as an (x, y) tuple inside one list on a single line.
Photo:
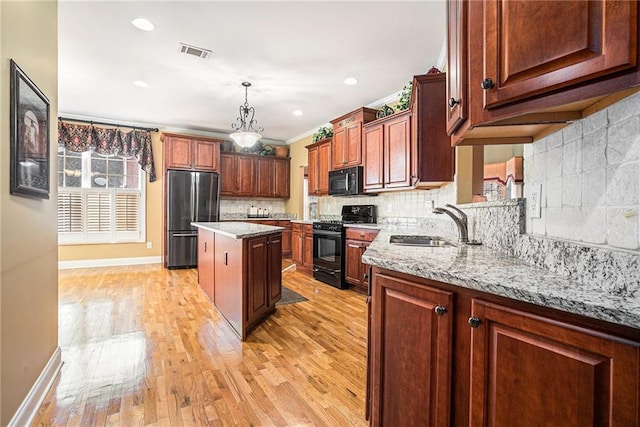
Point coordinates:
[(483, 269), (238, 230)]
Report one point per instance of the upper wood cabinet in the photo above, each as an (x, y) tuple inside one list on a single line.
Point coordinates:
[(191, 152), (347, 137), (518, 67), (251, 175), (319, 157), (411, 149)]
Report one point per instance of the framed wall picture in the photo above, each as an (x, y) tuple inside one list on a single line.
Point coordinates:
[(30, 170)]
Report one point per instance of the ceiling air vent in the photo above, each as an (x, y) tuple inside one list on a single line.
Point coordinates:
[(192, 50)]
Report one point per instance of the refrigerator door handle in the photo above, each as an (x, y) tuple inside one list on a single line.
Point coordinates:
[(197, 201), (193, 196)]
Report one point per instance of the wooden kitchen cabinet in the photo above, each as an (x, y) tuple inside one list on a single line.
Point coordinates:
[(411, 353), (500, 93), (411, 149), (347, 137), (286, 237), (513, 363), (302, 246), (529, 370), (206, 247), (357, 240), (191, 152), (319, 159), (250, 175), (387, 152), (263, 275)]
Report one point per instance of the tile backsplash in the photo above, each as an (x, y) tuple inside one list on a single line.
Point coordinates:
[(241, 206)]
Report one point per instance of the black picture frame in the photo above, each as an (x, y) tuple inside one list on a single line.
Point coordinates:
[(30, 151)]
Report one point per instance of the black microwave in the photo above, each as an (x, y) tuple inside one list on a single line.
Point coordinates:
[(346, 182)]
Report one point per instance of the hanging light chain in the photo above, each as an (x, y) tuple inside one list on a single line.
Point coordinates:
[(246, 120)]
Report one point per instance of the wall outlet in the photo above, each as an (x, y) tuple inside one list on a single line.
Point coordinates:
[(534, 201), (149, 245), (389, 208), (430, 204)]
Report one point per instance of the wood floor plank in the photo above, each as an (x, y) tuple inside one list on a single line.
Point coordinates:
[(144, 346)]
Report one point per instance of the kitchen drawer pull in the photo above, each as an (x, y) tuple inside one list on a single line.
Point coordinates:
[(474, 322), (440, 310), (453, 102)]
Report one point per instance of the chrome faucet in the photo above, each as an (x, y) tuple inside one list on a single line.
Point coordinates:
[(461, 221)]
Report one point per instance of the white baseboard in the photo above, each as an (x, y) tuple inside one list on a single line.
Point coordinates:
[(108, 262), (30, 405)]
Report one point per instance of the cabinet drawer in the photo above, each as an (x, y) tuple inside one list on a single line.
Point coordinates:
[(366, 235), (296, 227)]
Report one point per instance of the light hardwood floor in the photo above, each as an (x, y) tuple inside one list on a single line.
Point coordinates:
[(143, 345)]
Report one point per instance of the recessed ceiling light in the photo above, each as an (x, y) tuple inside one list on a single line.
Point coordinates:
[(350, 81), (141, 83), (143, 24), (297, 112)]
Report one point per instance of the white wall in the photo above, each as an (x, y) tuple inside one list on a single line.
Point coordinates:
[(590, 179)]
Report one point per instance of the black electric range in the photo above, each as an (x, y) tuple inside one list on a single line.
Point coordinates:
[(328, 243)]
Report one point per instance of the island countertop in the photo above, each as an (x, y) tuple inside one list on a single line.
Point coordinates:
[(483, 269), (238, 230)]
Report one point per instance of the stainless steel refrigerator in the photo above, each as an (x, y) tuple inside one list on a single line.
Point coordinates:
[(191, 197)]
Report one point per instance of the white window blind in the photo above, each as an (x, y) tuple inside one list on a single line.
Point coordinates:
[(100, 199)]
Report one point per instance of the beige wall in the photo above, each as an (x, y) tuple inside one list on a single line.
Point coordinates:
[(298, 154), (28, 234), (153, 224)]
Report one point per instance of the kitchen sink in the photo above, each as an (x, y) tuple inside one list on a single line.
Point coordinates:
[(429, 241)]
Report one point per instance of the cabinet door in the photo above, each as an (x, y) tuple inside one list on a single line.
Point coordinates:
[(353, 262), (457, 64), (229, 275), (338, 157), (275, 269), (307, 248), (528, 370), (353, 149), (313, 164), (411, 353), (206, 155), (573, 41), (281, 179), (206, 262), (179, 153), (228, 177), (264, 174), (373, 157), (297, 247), (257, 278), (324, 160), (286, 238), (245, 176), (397, 152)]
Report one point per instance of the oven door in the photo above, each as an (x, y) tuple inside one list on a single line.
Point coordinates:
[(327, 257)]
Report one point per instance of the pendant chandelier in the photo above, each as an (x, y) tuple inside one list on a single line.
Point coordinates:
[(245, 135)]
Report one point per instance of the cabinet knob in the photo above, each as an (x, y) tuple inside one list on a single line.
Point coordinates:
[(453, 102), (205, 246), (440, 310), (366, 276), (487, 83), (474, 322)]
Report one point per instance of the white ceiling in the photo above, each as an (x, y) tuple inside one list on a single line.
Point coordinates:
[(296, 55)]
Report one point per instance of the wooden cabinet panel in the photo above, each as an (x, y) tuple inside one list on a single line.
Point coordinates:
[(411, 360), (264, 174), (257, 278), (356, 242), (248, 175), (245, 175), (228, 176), (457, 64), (318, 161), (191, 152), (281, 179), (361, 234), (275, 269), (373, 157), (598, 39), (347, 137), (302, 246), (397, 152), (527, 370), (228, 270), (307, 248), (206, 251), (286, 237), (297, 247)]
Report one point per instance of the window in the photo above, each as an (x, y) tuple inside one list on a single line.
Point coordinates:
[(101, 199)]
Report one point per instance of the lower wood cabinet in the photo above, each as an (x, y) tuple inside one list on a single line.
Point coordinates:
[(243, 277), (302, 246), (357, 240), (286, 237), (441, 355)]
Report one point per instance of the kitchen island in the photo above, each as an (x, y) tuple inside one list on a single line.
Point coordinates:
[(487, 339), (240, 270)]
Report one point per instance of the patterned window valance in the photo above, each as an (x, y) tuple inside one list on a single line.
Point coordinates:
[(109, 142)]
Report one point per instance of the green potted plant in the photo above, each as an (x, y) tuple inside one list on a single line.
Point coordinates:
[(322, 133), (405, 97)]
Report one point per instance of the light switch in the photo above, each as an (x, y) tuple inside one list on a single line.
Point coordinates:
[(534, 201)]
